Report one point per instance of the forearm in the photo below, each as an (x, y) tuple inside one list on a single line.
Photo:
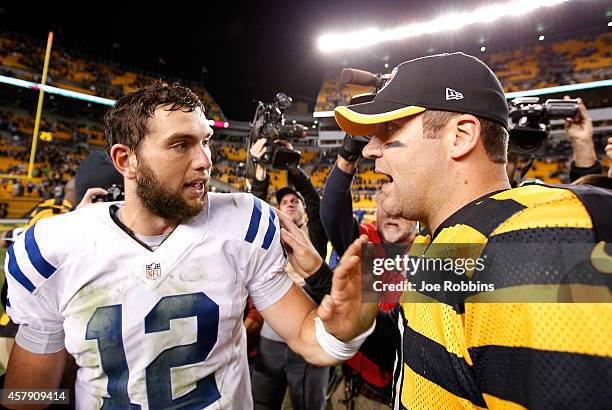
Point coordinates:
[(34, 371), (260, 188), (337, 209), (319, 283), (345, 165), (299, 332), (584, 153), (301, 181), (260, 172), (306, 344)]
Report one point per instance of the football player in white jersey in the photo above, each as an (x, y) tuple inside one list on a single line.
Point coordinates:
[(148, 295)]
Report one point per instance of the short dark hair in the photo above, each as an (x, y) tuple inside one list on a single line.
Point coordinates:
[(494, 136), (126, 122)]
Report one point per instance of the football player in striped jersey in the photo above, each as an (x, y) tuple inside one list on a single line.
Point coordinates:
[(439, 134)]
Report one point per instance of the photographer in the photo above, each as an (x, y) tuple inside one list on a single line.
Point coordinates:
[(276, 366), (308, 196)]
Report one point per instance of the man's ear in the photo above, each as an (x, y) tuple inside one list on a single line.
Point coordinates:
[(466, 134), (124, 160)]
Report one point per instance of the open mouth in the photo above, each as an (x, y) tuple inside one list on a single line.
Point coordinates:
[(197, 184), (388, 178), (392, 224)]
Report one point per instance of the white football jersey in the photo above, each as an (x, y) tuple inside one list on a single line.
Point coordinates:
[(149, 329)]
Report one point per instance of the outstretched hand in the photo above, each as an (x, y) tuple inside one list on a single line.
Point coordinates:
[(343, 312)]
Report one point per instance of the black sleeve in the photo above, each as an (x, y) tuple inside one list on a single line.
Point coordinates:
[(577, 172), (304, 186), (260, 188), (377, 347), (319, 283), (337, 210)]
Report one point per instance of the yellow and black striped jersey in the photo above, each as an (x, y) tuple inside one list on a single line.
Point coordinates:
[(459, 353), (48, 208)]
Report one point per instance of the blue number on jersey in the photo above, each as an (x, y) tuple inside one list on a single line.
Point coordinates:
[(105, 326)]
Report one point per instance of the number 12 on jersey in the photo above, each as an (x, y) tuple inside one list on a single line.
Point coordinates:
[(105, 326)]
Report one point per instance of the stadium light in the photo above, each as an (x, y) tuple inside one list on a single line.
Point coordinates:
[(541, 38), (483, 49), (455, 21), (609, 23)]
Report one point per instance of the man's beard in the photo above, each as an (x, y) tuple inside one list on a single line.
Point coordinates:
[(167, 205)]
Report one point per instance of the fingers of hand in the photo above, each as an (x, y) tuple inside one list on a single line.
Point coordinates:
[(259, 147), (326, 309), (287, 223), (346, 266), (351, 259), (355, 247), (289, 239), (91, 192)]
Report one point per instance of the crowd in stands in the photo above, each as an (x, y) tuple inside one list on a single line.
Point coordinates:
[(565, 62), (547, 64), (530, 67), (57, 160), (55, 163), (22, 57), (315, 222)]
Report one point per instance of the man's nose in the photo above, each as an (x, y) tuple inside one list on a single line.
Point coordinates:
[(373, 149), (201, 160)]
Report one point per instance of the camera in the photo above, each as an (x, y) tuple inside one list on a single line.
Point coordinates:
[(269, 123), (531, 122), (115, 193)]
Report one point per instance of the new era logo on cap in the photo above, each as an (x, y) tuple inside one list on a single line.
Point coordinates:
[(453, 95)]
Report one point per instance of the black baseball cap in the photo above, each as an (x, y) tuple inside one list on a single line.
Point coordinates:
[(96, 171), (288, 190), (445, 82)]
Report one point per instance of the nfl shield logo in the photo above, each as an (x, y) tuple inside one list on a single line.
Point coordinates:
[(153, 271)]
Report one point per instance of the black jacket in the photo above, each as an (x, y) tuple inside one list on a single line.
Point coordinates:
[(337, 210), (577, 172)]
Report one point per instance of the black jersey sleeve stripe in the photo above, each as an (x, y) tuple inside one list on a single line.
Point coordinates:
[(542, 379), (433, 362), (485, 215), (598, 202), (548, 256)]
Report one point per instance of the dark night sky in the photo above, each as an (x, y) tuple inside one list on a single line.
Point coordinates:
[(254, 49)]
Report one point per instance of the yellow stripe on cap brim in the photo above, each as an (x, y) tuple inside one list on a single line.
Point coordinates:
[(357, 124)]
